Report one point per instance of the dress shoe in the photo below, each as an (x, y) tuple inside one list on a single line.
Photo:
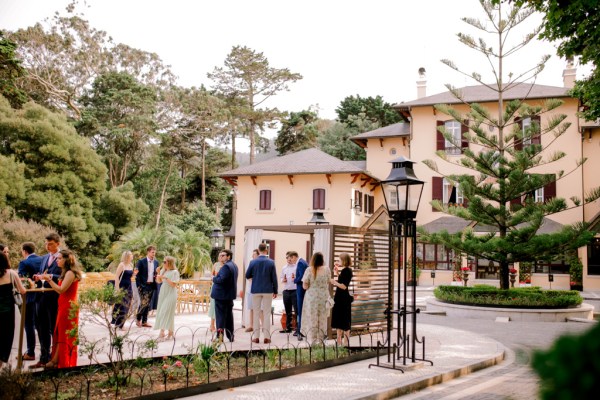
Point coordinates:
[(285, 331), (26, 357), (267, 341), (249, 329), (146, 325), (295, 333), (139, 324), (257, 340), (37, 365)]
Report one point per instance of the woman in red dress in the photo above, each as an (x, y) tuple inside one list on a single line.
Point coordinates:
[(64, 349)]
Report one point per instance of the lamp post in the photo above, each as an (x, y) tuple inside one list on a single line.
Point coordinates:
[(402, 194), (217, 241)]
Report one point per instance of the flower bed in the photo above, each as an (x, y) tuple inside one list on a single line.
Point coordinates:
[(174, 377), (489, 296)]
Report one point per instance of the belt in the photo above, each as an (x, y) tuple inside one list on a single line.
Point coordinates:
[(289, 290)]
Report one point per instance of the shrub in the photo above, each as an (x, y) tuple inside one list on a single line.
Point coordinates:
[(485, 295), (15, 231), (570, 369)]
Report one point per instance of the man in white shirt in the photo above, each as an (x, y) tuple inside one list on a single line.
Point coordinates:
[(288, 274)]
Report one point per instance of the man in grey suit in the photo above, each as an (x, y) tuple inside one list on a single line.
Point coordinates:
[(145, 280)]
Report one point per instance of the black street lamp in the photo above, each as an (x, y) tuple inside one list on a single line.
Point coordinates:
[(217, 241), (402, 194)]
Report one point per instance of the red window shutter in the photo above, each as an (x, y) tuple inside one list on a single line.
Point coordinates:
[(318, 199), (271, 249), (537, 137), (519, 142), (371, 209), (440, 141), (265, 200), (514, 203), (437, 187), (464, 128), (550, 191)]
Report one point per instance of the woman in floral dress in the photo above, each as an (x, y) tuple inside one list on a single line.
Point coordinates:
[(314, 310)]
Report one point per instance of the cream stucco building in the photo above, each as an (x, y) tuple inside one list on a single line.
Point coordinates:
[(288, 190)]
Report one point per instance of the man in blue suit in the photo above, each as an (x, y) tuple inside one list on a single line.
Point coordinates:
[(46, 303), (224, 291), (145, 280), (301, 266), (28, 267)]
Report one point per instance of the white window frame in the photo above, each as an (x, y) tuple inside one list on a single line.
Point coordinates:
[(525, 126), (447, 192), (538, 195), (453, 128)]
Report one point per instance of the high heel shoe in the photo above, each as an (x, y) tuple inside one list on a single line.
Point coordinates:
[(50, 365), (169, 337)]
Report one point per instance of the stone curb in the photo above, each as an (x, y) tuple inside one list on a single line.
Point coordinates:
[(421, 383)]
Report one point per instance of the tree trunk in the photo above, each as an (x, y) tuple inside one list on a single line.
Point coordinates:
[(252, 142), (233, 150), (163, 194), (203, 166)]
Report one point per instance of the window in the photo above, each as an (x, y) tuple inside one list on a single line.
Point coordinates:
[(538, 195), (530, 129), (318, 199), (593, 251), (457, 131), (392, 151), (434, 256), (559, 265), (369, 204), (448, 194), (357, 200), (265, 200)]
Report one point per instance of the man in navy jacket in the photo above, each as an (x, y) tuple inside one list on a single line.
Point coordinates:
[(224, 291), (263, 273), (145, 281), (46, 303), (301, 266), (28, 267)]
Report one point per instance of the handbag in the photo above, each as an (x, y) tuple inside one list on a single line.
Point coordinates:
[(16, 294)]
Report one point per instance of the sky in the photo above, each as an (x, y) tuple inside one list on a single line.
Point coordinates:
[(341, 48)]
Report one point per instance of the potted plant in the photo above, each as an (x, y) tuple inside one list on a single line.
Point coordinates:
[(576, 273), (513, 276), (465, 274)]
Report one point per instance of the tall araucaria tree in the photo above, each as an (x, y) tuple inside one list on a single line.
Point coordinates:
[(509, 157), (248, 75)]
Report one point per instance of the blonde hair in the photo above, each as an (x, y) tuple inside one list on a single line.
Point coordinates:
[(126, 254), (170, 261), (345, 259)]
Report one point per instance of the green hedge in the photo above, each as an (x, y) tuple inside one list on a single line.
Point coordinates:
[(530, 297)]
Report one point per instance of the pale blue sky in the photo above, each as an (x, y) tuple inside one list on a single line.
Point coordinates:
[(341, 48)]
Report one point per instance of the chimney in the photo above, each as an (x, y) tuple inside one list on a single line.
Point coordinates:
[(421, 84), (569, 74)]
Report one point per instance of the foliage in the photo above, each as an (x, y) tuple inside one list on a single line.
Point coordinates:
[(10, 70), (118, 118), (122, 208), (576, 270), (374, 108), (64, 55), (574, 25), (485, 295), (65, 178), (298, 132), (191, 249), (199, 218), (14, 231), (570, 368), (248, 77), (335, 140), (18, 385), (501, 172)]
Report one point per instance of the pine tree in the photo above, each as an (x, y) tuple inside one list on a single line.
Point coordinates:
[(506, 147)]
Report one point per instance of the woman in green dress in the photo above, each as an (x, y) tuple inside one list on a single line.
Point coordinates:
[(167, 299)]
